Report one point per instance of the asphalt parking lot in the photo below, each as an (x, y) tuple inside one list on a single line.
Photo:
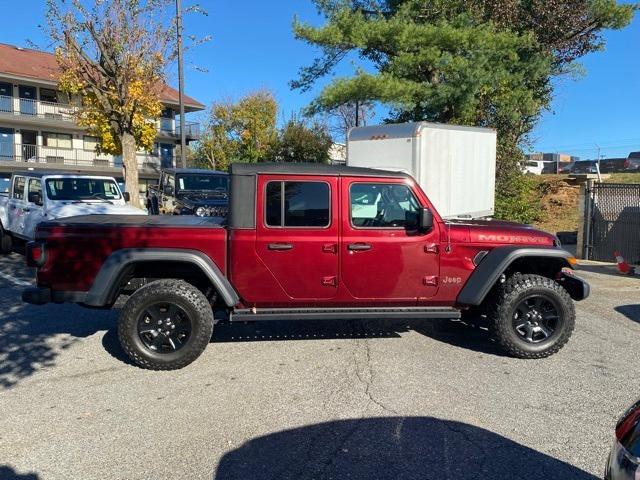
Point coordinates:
[(286, 400)]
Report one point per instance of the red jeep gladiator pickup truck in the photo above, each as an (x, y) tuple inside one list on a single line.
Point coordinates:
[(307, 242)]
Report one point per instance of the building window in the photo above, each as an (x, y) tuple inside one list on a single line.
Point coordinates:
[(89, 143), (57, 140), (48, 95)]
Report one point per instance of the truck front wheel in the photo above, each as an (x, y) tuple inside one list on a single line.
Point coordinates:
[(531, 316), (165, 325)]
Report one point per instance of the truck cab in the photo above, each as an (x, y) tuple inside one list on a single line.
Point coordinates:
[(308, 242)]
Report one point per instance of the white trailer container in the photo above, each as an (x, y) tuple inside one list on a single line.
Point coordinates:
[(454, 165)]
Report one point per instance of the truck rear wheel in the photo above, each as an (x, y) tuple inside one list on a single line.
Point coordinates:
[(531, 316), (6, 242), (165, 325)]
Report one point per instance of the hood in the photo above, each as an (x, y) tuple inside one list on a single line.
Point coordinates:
[(498, 232), (68, 209), (203, 200)]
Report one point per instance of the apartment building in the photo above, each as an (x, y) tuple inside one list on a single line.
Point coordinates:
[(38, 128)]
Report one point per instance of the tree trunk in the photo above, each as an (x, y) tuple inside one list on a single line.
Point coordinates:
[(130, 162)]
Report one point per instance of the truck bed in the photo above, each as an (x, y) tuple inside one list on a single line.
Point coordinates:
[(81, 245)]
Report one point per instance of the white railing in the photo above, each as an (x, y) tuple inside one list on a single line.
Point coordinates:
[(36, 108), (56, 156)]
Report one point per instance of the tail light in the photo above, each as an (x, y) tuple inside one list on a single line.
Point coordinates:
[(36, 254), (628, 430)]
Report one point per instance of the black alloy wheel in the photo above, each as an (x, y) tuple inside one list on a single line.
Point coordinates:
[(164, 327), (536, 319)]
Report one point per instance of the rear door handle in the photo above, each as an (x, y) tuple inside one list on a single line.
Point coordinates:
[(279, 246), (359, 247)]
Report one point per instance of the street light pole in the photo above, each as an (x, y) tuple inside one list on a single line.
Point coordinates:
[(183, 133)]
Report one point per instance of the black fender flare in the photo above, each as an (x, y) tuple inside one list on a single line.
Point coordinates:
[(496, 262), (103, 292)]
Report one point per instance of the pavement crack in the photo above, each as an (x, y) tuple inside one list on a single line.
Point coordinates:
[(367, 375)]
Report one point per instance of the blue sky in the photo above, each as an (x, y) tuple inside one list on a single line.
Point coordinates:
[(253, 48)]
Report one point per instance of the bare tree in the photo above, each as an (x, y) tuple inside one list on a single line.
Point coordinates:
[(346, 116)]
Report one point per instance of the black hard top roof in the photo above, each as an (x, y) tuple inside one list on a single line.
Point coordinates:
[(311, 169), (174, 171)]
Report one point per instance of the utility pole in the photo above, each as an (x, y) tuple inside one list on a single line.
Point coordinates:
[(183, 133), (357, 113)]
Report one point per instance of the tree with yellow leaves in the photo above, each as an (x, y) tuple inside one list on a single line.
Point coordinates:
[(112, 56)]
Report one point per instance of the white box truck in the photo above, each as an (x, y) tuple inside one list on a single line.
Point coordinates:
[(454, 165)]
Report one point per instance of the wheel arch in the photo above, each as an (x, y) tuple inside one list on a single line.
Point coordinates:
[(124, 263), (547, 262)]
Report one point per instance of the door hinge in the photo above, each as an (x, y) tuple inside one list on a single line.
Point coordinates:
[(330, 248), (430, 281), (432, 248), (329, 281)]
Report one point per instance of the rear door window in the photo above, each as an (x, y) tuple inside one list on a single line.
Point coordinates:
[(297, 204)]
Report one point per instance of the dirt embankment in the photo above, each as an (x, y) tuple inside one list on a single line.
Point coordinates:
[(559, 201)]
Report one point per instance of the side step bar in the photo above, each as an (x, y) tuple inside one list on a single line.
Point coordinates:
[(244, 315)]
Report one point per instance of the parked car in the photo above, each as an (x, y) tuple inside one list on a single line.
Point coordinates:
[(624, 459), (35, 197), (308, 242), (204, 193), (612, 165), (538, 167), (632, 164), (585, 166)]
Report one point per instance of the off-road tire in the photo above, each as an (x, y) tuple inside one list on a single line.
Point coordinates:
[(178, 292), (6, 241), (502, 306)]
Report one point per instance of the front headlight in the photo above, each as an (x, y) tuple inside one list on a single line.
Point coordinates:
[(201, 212)]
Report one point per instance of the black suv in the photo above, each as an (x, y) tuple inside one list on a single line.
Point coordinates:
[(204, 193)]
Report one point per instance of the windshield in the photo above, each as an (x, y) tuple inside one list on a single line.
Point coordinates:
[(209, 183), (82, 189)]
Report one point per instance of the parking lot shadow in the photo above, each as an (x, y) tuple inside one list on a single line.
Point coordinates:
[(632, 312), (8, 473), (390, 448), (31, 338), (467, 335)]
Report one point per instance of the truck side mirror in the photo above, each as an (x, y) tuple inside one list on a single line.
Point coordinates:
[(168, 190), (425, 219), (126, 196), (35, 197)]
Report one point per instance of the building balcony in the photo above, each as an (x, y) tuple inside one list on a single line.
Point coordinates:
[(36, 109), (171, 128), (50, 113), (43, 157)]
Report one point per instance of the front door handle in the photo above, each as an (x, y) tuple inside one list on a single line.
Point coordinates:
[(359, 247), (279, 246)]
